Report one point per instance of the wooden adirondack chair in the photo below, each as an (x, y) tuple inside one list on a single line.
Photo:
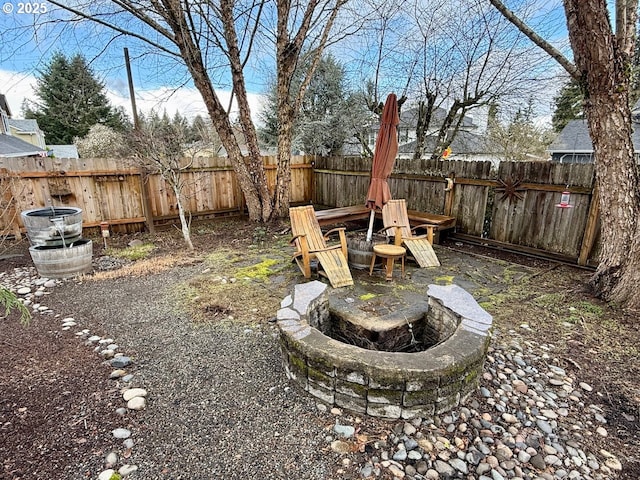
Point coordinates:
[(310, 243), (394, 216)]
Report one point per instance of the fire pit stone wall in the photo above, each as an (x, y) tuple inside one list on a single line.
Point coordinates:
[(385, 384)]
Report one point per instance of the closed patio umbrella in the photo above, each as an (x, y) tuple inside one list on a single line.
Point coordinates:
[(384, 157)]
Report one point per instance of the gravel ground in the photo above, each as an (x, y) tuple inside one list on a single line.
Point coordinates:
[(218, 399)]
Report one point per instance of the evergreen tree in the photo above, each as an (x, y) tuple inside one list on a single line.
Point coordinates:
[(328, 115), (70, 101), (568, 105)]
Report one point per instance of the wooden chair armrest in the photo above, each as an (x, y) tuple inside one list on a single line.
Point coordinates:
[(430, 229), (426, 226), (293, 239), (343, 238), (397, 234), (338, 229), (302, 245), (390, 227)]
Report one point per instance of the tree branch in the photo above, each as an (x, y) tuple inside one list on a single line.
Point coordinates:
[(537, 39), (118, 29)]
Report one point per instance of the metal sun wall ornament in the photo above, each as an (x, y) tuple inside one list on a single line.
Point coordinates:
[(511, 189)]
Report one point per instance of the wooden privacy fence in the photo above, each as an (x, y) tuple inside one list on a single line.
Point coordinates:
[(514, 206), (114, 191)]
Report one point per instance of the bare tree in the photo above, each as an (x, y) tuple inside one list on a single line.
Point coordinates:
[(216, 40), (447, 67), (158, 147), (603, 59)]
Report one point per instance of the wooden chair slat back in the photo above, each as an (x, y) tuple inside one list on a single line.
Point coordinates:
[(304, 221), (394, 212)]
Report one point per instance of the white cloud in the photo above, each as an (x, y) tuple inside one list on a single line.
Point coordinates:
[(17, 87)]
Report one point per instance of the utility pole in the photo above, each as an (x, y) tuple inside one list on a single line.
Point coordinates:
[(136, 122), (146, 203)]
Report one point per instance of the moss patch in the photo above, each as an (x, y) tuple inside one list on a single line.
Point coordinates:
[(444, 279), (136, 252), (260, 271), (367, 296)]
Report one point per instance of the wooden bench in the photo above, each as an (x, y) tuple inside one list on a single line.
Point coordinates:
[(342, 214), (361, 212)]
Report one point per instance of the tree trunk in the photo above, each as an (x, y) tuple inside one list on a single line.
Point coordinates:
[(249, 170), (425, 111), (605, 63), (186, 233), (283, 172)]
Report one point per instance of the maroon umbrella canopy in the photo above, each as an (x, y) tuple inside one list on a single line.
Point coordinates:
[(384, 155)]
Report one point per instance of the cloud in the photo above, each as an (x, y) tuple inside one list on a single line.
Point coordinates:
[(187, 101), (16, 87)]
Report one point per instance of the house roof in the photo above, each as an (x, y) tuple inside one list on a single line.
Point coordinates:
[(463, 143), (24, 125), (409, 118), (63, 151), (575, 138), (11, 146)]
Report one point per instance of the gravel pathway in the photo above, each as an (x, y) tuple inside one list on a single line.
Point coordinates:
[(219, 405)]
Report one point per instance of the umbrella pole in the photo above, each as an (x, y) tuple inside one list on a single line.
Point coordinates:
[(370, 231)]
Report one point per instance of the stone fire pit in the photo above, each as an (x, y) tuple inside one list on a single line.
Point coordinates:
[(437, 350)]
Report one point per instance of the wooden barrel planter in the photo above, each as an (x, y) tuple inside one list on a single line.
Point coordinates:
[(361, 251), (63, 262), (53, 226)]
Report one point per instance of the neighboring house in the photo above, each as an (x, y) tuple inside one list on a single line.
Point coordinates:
[(573, 143), (27, 130), (63, 151), (468, 144), (465, 146), (11, 145)]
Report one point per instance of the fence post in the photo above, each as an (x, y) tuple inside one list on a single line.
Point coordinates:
[(146, 203), (591, 228), (449, 194)]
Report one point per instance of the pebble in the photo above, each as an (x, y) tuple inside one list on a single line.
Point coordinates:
[(133, 392), (137, 403), (120, 362), (106, 474), (111, 460), (345, 431), (340, 446), (127, 470), (121, 433)]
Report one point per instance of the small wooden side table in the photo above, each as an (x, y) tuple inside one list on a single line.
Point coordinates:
[(391, 253)]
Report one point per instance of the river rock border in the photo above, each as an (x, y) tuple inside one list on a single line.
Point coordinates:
[(385, 384)]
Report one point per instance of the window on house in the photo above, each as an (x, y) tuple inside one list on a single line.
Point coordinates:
[(5, 124)]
